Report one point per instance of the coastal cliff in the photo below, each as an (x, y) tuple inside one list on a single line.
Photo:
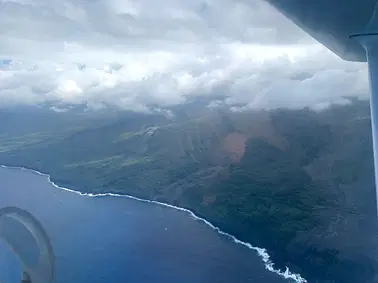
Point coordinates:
[(296, 182)]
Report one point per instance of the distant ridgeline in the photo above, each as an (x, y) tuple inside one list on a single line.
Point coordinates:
[(297, 182)]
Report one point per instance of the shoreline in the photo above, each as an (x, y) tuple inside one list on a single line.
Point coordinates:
[(269, 265)]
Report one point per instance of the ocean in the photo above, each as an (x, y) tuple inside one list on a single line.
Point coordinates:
[(121, 239)]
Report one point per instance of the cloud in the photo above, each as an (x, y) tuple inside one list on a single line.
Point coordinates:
[(143, 54)]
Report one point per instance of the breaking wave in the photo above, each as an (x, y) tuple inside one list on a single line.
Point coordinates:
[(269, 265)]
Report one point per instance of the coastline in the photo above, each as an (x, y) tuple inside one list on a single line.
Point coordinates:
[(269, 265)]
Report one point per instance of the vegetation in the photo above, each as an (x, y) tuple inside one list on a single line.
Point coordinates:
[(297, 182)]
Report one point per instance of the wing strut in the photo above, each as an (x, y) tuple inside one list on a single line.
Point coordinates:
[(368, 38)]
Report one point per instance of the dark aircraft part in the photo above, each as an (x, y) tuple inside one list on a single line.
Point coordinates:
[(331, 22), (28, 240)]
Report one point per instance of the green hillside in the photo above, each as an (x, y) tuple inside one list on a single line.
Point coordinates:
[(297, 182)]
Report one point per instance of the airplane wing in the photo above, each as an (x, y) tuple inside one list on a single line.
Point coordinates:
[(331, 22)]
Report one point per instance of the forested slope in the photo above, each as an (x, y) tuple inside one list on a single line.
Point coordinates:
[(297, 182)]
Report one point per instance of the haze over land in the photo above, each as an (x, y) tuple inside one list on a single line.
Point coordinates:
[(223, 107)]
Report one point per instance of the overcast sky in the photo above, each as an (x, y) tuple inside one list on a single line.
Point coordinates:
[(138, 54)]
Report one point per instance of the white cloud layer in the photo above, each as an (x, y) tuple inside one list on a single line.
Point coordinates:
[(138, 54)]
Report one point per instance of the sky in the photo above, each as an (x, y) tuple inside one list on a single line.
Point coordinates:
[(146, 54)]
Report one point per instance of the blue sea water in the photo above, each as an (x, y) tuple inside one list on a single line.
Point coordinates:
[(118, 239)]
